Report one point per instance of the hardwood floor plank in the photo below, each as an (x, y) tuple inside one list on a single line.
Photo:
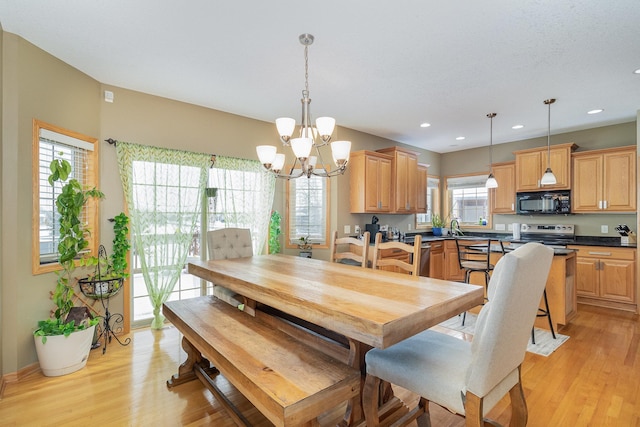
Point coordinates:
[(592, 379)]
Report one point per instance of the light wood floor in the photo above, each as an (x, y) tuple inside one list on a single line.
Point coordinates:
[(592, 380)]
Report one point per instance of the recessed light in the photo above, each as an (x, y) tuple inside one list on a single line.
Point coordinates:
[(596, 111), (460, 138), (636, 71), (425, 125), (517, 127)]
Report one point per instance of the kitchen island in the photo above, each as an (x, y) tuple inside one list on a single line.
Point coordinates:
[(561, 283)]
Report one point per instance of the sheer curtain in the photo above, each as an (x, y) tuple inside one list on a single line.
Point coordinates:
[(163, 189), (245, 196)]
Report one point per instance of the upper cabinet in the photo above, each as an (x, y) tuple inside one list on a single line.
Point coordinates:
[(404, 179), (504, 197), (604, 180), (421, 203), (531, 165), (370, 179)]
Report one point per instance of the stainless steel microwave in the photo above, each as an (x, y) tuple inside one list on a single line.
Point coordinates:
[(544, 203)]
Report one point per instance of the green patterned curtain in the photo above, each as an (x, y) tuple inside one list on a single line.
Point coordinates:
[(163, 189), (245, 196)]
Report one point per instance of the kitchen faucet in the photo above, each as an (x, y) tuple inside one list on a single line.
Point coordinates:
[(455, 231)]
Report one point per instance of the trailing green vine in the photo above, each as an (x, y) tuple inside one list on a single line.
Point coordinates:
[(73, 242), (274, 233)]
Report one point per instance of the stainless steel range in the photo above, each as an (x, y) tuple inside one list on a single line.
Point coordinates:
[(558, 235)]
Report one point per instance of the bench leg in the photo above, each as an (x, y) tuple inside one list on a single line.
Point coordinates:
[(186, 371)]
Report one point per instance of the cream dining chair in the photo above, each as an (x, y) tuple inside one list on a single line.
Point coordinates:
[(228, 243), (348, 256), (412, 252), (469, 378)]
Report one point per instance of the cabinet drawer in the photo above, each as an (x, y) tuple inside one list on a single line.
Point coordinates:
[(604, 252), (393, 253)]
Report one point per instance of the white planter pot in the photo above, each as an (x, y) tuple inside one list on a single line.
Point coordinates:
[(62, 355)]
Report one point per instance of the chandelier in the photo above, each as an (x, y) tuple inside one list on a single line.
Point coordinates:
[(310, 137)]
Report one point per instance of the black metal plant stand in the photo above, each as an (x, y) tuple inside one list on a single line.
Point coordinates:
[(103, 290)]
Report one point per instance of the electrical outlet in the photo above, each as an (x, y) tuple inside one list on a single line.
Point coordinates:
[(409, 227), (500, 227), (509, 227), (604, 229), (357, 229), (347, 229)]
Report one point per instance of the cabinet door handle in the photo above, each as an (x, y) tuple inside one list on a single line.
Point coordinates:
[(513, 208), (600, 253), (604, 203), (599, 204)]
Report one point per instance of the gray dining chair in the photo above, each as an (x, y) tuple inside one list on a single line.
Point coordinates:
[(469, 378), (228, 243)]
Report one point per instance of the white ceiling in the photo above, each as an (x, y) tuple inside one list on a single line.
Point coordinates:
[(380, 67)]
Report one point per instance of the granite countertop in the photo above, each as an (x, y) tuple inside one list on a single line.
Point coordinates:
[(579, 240)]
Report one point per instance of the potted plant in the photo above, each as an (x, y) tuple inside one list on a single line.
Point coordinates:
[(274, 232), (110, 272), (437, 223), (63, 346), (304, 244)]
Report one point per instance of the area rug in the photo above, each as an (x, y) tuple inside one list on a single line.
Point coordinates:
[(544, 346)]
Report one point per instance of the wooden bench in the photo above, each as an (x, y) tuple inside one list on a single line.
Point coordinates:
[(285, 379)]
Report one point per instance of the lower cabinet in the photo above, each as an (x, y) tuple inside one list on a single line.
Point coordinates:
[(606, 276), (436, 259)]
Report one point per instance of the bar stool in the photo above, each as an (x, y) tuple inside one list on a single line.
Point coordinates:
[(475, 256), (543, 312)]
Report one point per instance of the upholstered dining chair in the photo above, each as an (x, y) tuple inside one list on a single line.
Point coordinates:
[(469, 378), (411, 251), (348, 256), (229, 243)]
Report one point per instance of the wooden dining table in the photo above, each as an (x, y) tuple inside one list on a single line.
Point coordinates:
[(370, 308)]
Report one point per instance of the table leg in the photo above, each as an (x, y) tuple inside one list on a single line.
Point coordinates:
[(186, 371)]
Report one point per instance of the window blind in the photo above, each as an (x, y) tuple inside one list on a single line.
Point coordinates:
[(307, 210)]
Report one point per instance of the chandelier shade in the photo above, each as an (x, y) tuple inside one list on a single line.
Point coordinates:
[(306, 146)]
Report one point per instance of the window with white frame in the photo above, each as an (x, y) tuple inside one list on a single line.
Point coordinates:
[(468, 200), (52, 142), (307, 213), (433, 202)]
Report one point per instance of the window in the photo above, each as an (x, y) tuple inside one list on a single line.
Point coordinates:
[(468, 200), (81, 151), (307, 211), (433, 202)]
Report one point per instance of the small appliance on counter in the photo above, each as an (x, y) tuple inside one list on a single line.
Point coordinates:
[(372, 228)]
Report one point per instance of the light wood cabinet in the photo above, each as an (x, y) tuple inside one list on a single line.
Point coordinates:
[(404, 179), (452, 270), (606, 276), (531, 165), (604, 181), (504, 197), (370, 182), (436, 259), (421, 198)]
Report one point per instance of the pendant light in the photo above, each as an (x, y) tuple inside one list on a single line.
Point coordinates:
[(491, 181), (548, 178)]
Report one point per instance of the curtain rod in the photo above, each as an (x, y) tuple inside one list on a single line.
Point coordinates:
[(114, 142)]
